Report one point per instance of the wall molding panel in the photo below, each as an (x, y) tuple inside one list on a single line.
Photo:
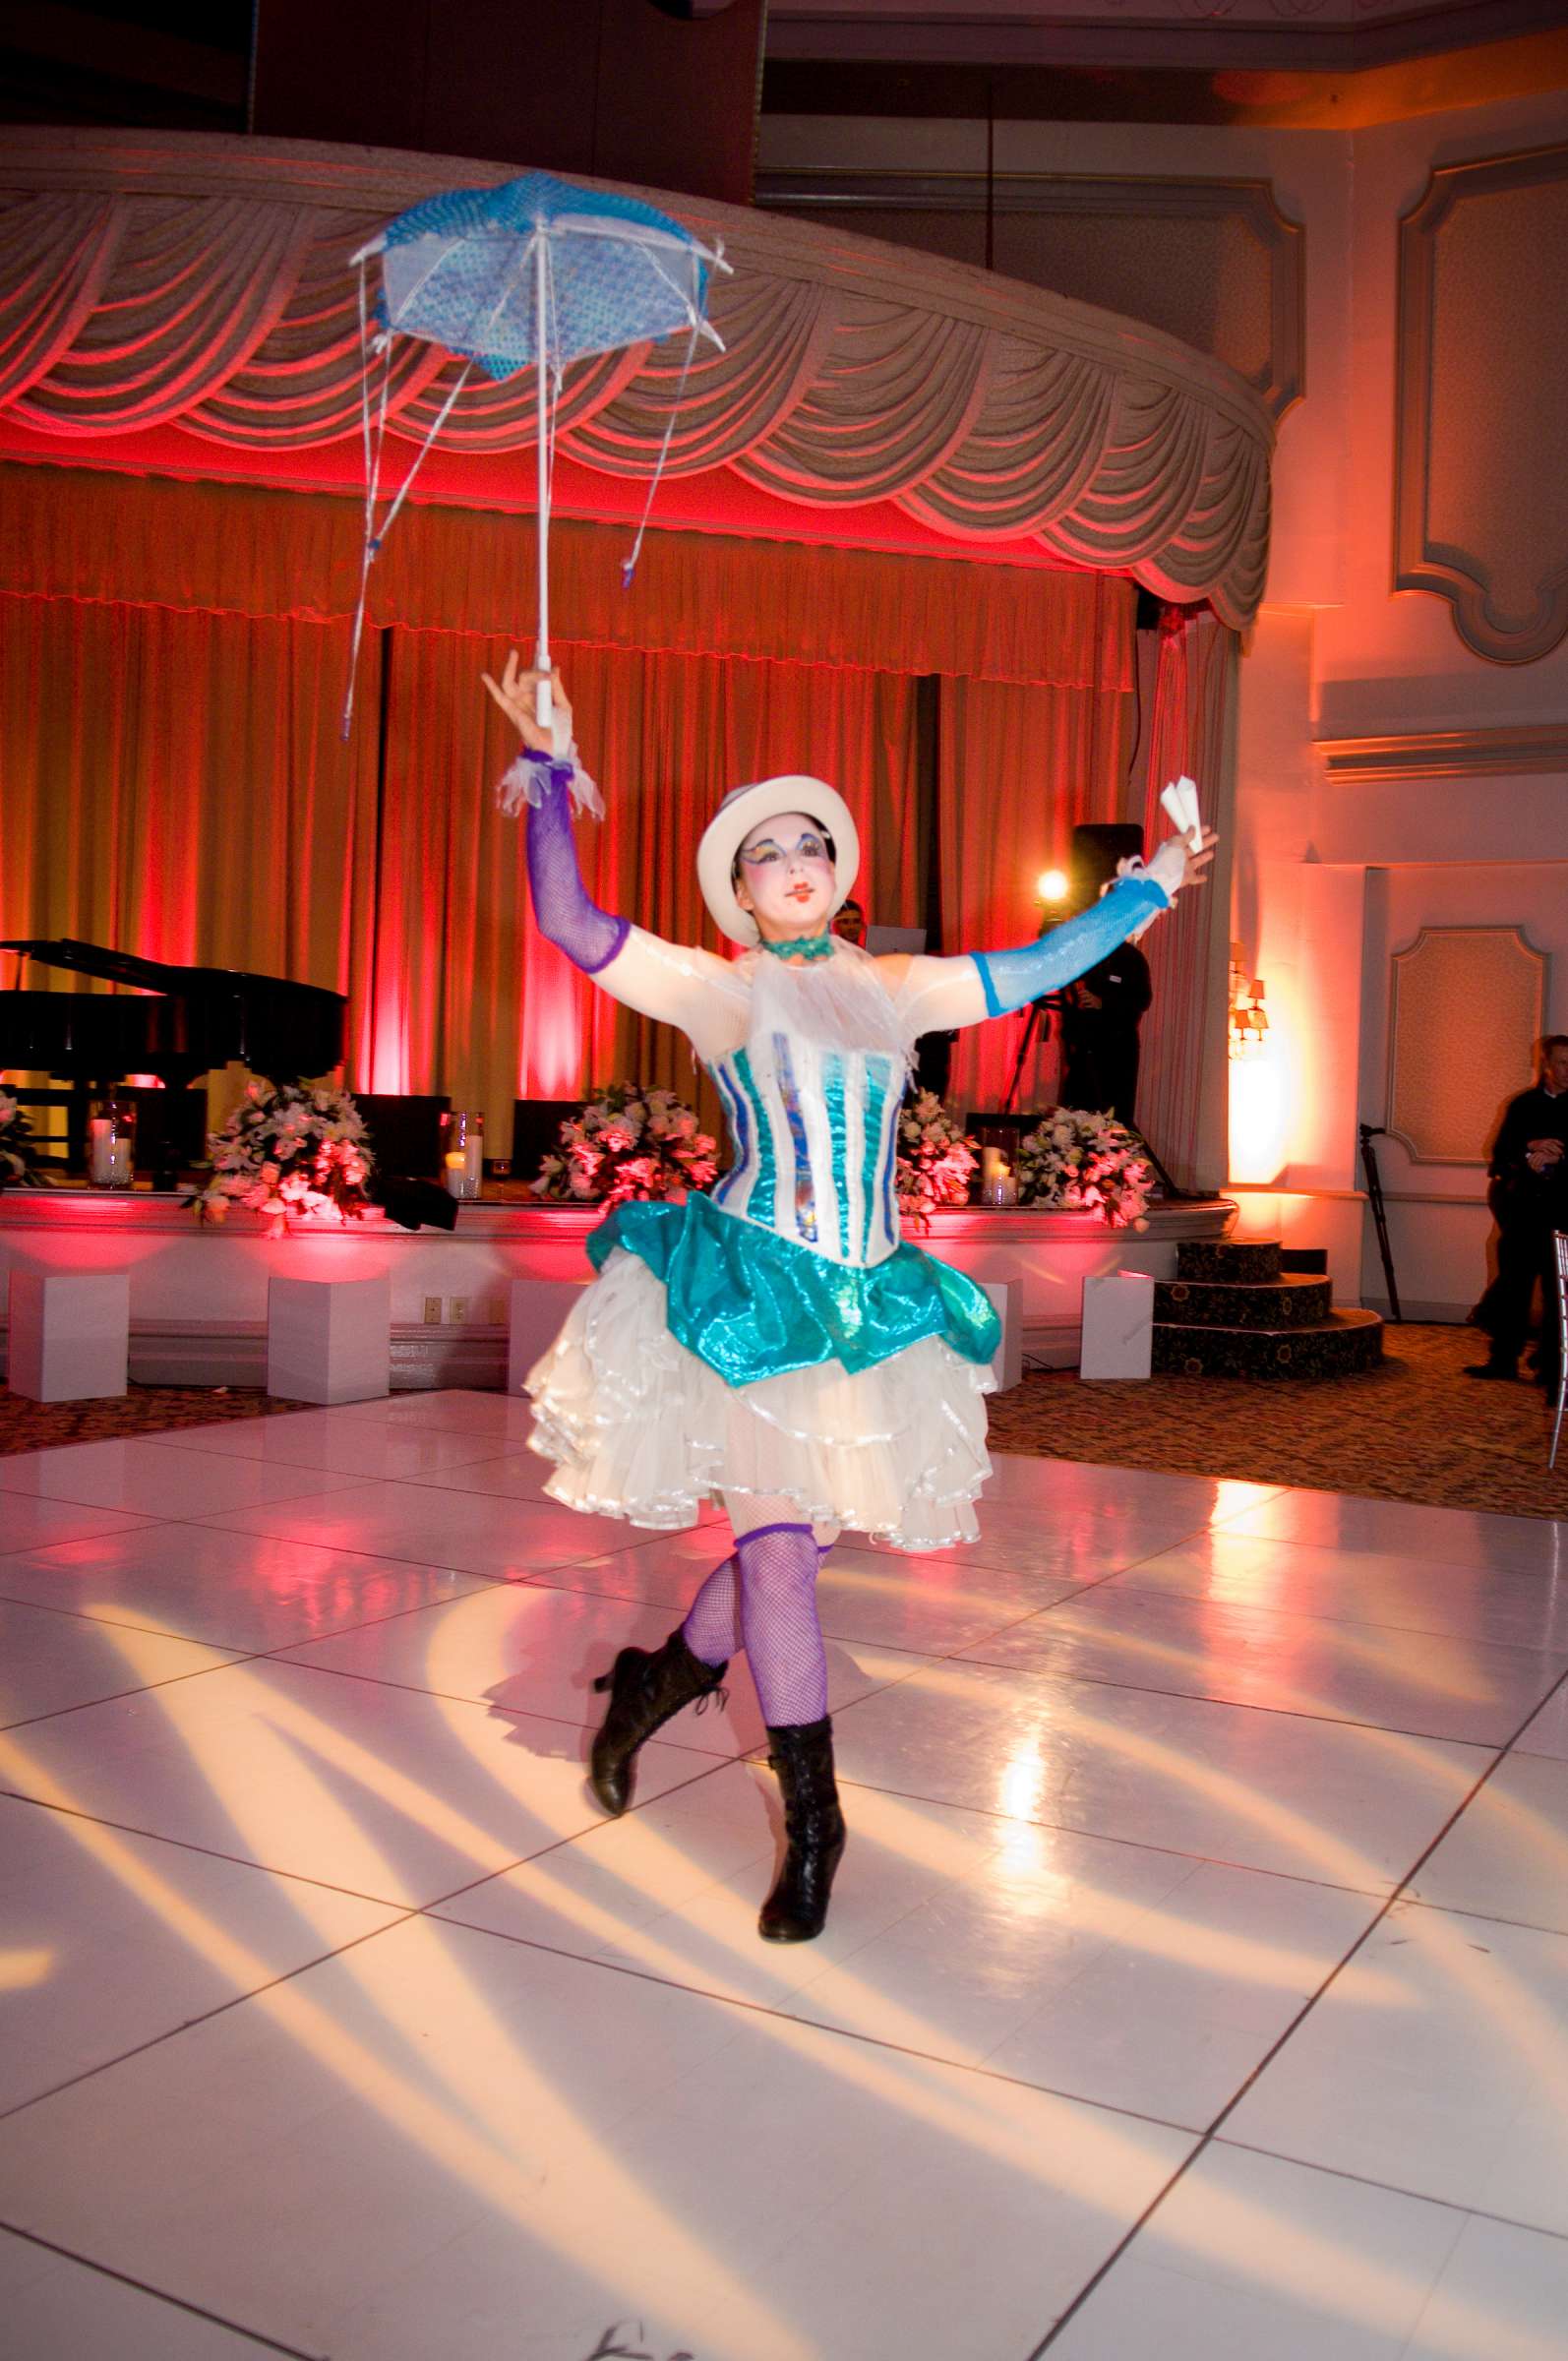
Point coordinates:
[(1229, 234), (1480, 497), (1515, 748), (1466, 1007)]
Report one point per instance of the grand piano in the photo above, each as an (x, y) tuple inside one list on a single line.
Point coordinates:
[(175, 1022)]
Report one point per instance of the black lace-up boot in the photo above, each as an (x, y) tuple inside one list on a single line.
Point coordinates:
[(645, 1691), (802, 1756)]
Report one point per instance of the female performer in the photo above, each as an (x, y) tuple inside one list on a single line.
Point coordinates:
[(774, 1345)]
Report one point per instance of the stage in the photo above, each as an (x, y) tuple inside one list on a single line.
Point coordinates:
[(198, 1292)]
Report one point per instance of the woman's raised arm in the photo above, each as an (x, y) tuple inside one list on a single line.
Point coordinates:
[(938, 995), (679, 984)]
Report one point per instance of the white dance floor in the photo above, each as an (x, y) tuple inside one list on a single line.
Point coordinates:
[(1196, 1982)]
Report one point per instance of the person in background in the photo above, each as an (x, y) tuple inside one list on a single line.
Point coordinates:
[(849, 923), (1528, 1198), (1100, 1018)]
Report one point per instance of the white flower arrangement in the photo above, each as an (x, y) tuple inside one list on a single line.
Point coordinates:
[(936, 1161), (1085, 1163), (288, 1150), (630, 1141), (16, 1155)]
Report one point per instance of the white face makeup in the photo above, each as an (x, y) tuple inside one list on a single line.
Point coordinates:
[(786, 876)]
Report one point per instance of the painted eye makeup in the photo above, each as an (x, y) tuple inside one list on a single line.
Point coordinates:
[(809, 848)]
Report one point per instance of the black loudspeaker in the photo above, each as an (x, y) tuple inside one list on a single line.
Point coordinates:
[(536, 1131), (404, 1132), (1097, 847)]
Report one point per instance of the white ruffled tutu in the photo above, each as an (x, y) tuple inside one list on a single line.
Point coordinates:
[(642, 1428)]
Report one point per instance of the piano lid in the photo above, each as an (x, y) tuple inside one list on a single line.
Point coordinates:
[(156, 975)]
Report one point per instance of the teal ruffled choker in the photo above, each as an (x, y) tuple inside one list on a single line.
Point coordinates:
[(805, 947)]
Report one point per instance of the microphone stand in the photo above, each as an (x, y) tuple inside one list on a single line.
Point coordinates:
[(1374, 1198)]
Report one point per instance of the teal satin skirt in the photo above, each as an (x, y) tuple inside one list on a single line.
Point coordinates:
[(753, 1304)]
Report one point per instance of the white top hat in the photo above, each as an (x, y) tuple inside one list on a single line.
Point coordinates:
[(745, 808)]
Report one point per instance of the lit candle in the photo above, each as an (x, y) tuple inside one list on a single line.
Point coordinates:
[(463, 1167), (109, 1154)]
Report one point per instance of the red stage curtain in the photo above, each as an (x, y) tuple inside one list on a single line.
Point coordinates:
[(1019, 769), (466, 998), (1189, 715), (173, 785)]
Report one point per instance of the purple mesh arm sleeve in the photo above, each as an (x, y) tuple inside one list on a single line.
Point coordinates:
[(1010, 978), (563, 905)]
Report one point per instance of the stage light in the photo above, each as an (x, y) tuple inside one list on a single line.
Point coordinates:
[(1052, 886)]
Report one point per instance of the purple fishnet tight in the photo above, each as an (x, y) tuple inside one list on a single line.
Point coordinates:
[(764, 1600), (567, 913)]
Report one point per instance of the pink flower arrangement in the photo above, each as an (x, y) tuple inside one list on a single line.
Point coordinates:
[(1086, 1163), (936, 1159), (16, 1153), (289, 1151), (629, 1142)]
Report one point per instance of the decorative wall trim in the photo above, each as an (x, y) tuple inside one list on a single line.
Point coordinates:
[(1280, 383), (1422, 559), (1465, 1010), (1446, 753)]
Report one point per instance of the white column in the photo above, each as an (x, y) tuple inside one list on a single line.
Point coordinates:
[(1118, 1325), (328, 1340), (70, 1334)]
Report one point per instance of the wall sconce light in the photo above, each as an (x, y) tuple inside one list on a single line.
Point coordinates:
[(1249, 1018), (1052, 886)]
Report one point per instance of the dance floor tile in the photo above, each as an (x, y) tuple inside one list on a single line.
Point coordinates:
[(54, 2308), (1426, 1682), (442, 2142), (28, 1522), (529, 1649), (505, 1416), (156, 1478), (506, 1540), (1436, 2062), (1263, 1791), (385, 1792), (114, 1940), (507, 1475), (1075, 1547), (1547, 1732), (1248, 2256), (52, 1662), (242, 1591), (1507, 1855), (325, 1438), (1409, 1529), (1406, 1594)]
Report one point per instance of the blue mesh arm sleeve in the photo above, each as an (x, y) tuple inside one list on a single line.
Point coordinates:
[(563, 905), (1010, 978)]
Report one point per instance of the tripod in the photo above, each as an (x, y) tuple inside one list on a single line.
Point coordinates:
[(1374, 1198), (1036, 1033)]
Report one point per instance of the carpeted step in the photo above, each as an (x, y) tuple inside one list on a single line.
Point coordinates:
[(1246, 1260), (1291, 1301), (1313, 1260), (1346, 1341)]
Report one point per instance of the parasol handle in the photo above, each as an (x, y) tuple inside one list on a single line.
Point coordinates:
[(544, 707)]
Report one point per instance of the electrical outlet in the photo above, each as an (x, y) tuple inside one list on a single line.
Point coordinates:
[(459, 1310), (432, 1311)]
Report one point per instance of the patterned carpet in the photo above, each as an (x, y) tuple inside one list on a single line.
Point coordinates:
[(146, 1409), (1414, 1428)]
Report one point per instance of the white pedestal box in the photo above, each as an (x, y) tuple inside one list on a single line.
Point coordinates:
[(70, 1334), (538, 1313), (1118, 1325), (328, 1340), (1007, 1361)]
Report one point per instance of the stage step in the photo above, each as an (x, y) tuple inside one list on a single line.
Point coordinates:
[(1252, 1262), (1292, 1300), (1312, 1260), (1346, 1340)]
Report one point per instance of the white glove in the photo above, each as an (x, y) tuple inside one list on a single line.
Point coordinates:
[(1169, 868)]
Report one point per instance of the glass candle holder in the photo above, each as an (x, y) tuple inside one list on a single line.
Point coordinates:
[(111, 1143), (462, 1153), (997, 1185)]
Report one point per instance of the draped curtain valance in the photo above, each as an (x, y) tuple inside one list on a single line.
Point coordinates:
[(201, 283), (242, 549)]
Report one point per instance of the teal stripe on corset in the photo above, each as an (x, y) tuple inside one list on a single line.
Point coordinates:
[(765, 1193), (805, 1185), (838, 1124), (878, 1072)]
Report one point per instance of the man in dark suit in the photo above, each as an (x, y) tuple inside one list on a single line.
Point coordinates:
[(1528, 1198), (1100, 1019)]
